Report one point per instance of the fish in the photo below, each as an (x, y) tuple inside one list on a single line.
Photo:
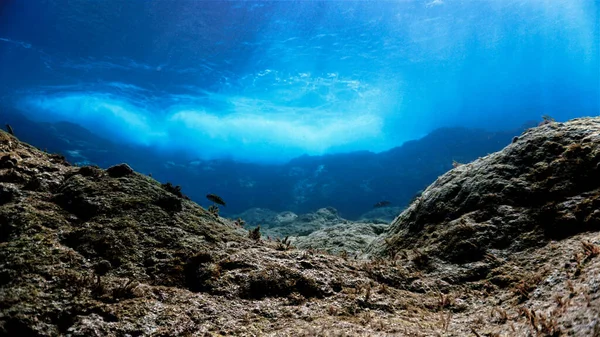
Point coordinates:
[(382, 204), (216, 199)]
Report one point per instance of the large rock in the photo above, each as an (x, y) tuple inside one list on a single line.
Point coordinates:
[(544, 186), (259, 216), (348, 238), (322, 230), (282, 224)]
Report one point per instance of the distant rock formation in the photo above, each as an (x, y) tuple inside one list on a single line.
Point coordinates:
[(350, 182), (280, 225), (381, 215), (323, 230), (260, 216), (350, 239), (508, 245)]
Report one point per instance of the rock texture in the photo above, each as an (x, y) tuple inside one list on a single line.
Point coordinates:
[(349, 238), (323, 230), (280, 225), (519, 208), (544, 186), (266, 217), (505, 246)]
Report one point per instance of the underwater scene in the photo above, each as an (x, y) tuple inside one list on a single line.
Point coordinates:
[(299, 168)]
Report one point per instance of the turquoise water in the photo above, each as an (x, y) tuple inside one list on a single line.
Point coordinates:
[(269, 81)]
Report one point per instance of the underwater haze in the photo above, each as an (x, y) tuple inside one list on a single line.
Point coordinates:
[(267, 81)]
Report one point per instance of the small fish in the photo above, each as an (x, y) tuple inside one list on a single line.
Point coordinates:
[(216, 199), (382, 204), (10, 129)]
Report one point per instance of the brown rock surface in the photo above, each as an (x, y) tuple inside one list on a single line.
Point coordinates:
[(351, 238), (283, 224), (545, 186), (504, 246)]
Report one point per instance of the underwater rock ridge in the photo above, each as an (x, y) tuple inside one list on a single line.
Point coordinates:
[(543, 187), (507, 245)]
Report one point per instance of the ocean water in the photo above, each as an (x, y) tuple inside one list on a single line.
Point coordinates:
[(264, 82)]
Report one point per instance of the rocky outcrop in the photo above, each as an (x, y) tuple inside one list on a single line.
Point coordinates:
[(323, 230), (544, 186), (84, 252), (282, 224), (266, 218), (525, 219), (342, 239), (92, 252)]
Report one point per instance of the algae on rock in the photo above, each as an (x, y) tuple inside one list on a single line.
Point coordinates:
[(506, 245)]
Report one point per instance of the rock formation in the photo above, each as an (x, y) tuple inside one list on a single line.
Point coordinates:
[(350, 238), (505, 246), (280, 225), (544, 186)]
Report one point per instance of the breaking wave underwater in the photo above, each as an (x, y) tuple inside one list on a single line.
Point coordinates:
[(266, 82)]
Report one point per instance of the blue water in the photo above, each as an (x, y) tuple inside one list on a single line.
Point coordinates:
[(269, 81)]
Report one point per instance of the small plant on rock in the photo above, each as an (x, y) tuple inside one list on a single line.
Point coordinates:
[(421, 260), (456, 164), (176, 190), (546, 120), (125, 291), (240, 223), (214, 210), (590, 250), (284, 244), (254, 234)]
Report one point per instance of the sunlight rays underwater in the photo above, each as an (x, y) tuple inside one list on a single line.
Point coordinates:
[(329, 78)]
